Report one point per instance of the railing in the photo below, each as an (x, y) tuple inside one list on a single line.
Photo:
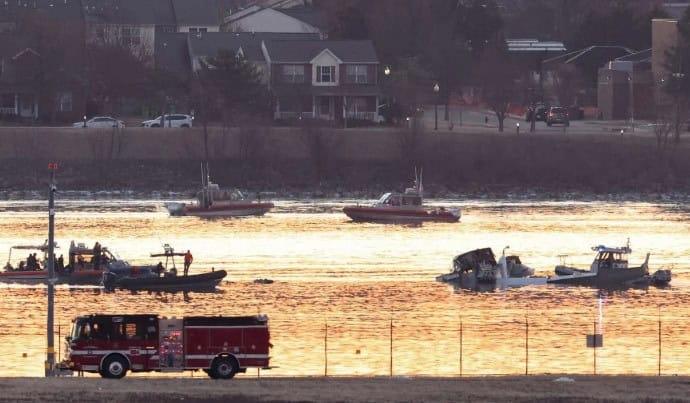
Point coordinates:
[(294, 115), (8, 111), (361, 115), (650, 342)]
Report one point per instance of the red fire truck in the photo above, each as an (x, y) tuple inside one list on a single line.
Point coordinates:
[(220, 346)]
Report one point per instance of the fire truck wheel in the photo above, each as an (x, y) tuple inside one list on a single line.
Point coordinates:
[(114, 367), (223, 368)]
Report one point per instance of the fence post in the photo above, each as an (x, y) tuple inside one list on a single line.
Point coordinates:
[(391, 350), (461, 346), (325, 350), (594, 350), (526, 345), (659, 360)]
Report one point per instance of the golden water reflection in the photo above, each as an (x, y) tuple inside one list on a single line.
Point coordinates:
[(356, 279)]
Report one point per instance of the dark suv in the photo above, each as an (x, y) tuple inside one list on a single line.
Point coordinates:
[(540, 115), (557, 114)]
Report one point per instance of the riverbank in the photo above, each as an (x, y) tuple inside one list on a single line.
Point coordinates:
[(488, 389), (328, 162)]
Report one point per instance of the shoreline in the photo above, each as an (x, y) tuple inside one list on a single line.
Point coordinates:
[(571, 388), (335, 195)]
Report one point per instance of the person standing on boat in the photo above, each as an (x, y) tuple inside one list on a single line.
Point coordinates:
[(96, 255), (188, 259), (160, 269)]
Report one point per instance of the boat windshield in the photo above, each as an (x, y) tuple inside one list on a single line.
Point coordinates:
[(384, 199)]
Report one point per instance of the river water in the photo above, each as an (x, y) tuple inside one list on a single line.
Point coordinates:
[(360, 299)]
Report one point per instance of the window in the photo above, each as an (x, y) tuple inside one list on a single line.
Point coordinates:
[(325, 74), (100, 33), (198, 30), (64, 102), (357, 74), (131, 36), (7, 101), (293, 73)]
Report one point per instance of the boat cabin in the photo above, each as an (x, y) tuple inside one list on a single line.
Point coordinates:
[(82, 257), (610, 258), (400, 200), (28, 264), (213, 193)]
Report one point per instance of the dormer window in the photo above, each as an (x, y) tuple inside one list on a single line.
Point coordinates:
[(325, 74)]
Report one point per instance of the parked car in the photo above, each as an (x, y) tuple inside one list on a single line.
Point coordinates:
[(540, 116), (100, 122), (173, 120), (557, 114)]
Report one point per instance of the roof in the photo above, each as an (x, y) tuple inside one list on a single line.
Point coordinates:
[(309, 15), (63, 9), (534, 45), (171, 53), (606, 53), (138, 12), (637, 57), (675, 10), (198, 12), (209, 43), (305, 51), (242, 13)]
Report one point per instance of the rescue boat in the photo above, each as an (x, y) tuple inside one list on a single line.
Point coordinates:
[(81, 268), (212, 201), (161, 277), (610, 270), (407, 207)]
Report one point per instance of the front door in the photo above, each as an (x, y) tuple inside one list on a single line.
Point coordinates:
[(325, 107), (27, 106), (171, 352)]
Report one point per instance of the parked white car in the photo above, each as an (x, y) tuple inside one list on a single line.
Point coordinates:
[(100, 122), (174, 120)]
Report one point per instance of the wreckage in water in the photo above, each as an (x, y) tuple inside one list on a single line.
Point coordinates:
[(478, 270)]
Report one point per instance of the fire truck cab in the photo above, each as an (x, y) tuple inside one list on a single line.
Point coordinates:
[(111, 345)]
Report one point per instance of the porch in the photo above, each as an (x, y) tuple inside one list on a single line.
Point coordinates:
[(330, 107), (19, 105)]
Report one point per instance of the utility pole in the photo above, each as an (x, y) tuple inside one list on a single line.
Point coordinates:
[(50, 350)]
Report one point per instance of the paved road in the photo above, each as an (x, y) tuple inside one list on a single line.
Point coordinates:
[(473, 120)]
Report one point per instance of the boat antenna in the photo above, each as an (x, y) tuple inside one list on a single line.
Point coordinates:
[(504, 250), (421, 185)]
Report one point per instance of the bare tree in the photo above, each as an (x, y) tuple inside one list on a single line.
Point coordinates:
[(319, 146), (497, 76), (410, 142)]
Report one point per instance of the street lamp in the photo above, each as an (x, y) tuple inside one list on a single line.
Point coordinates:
[(387, 71), (631, 79), (84, 120), (436, 90)]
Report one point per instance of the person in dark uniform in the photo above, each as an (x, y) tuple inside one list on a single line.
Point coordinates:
[(96, 255)]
